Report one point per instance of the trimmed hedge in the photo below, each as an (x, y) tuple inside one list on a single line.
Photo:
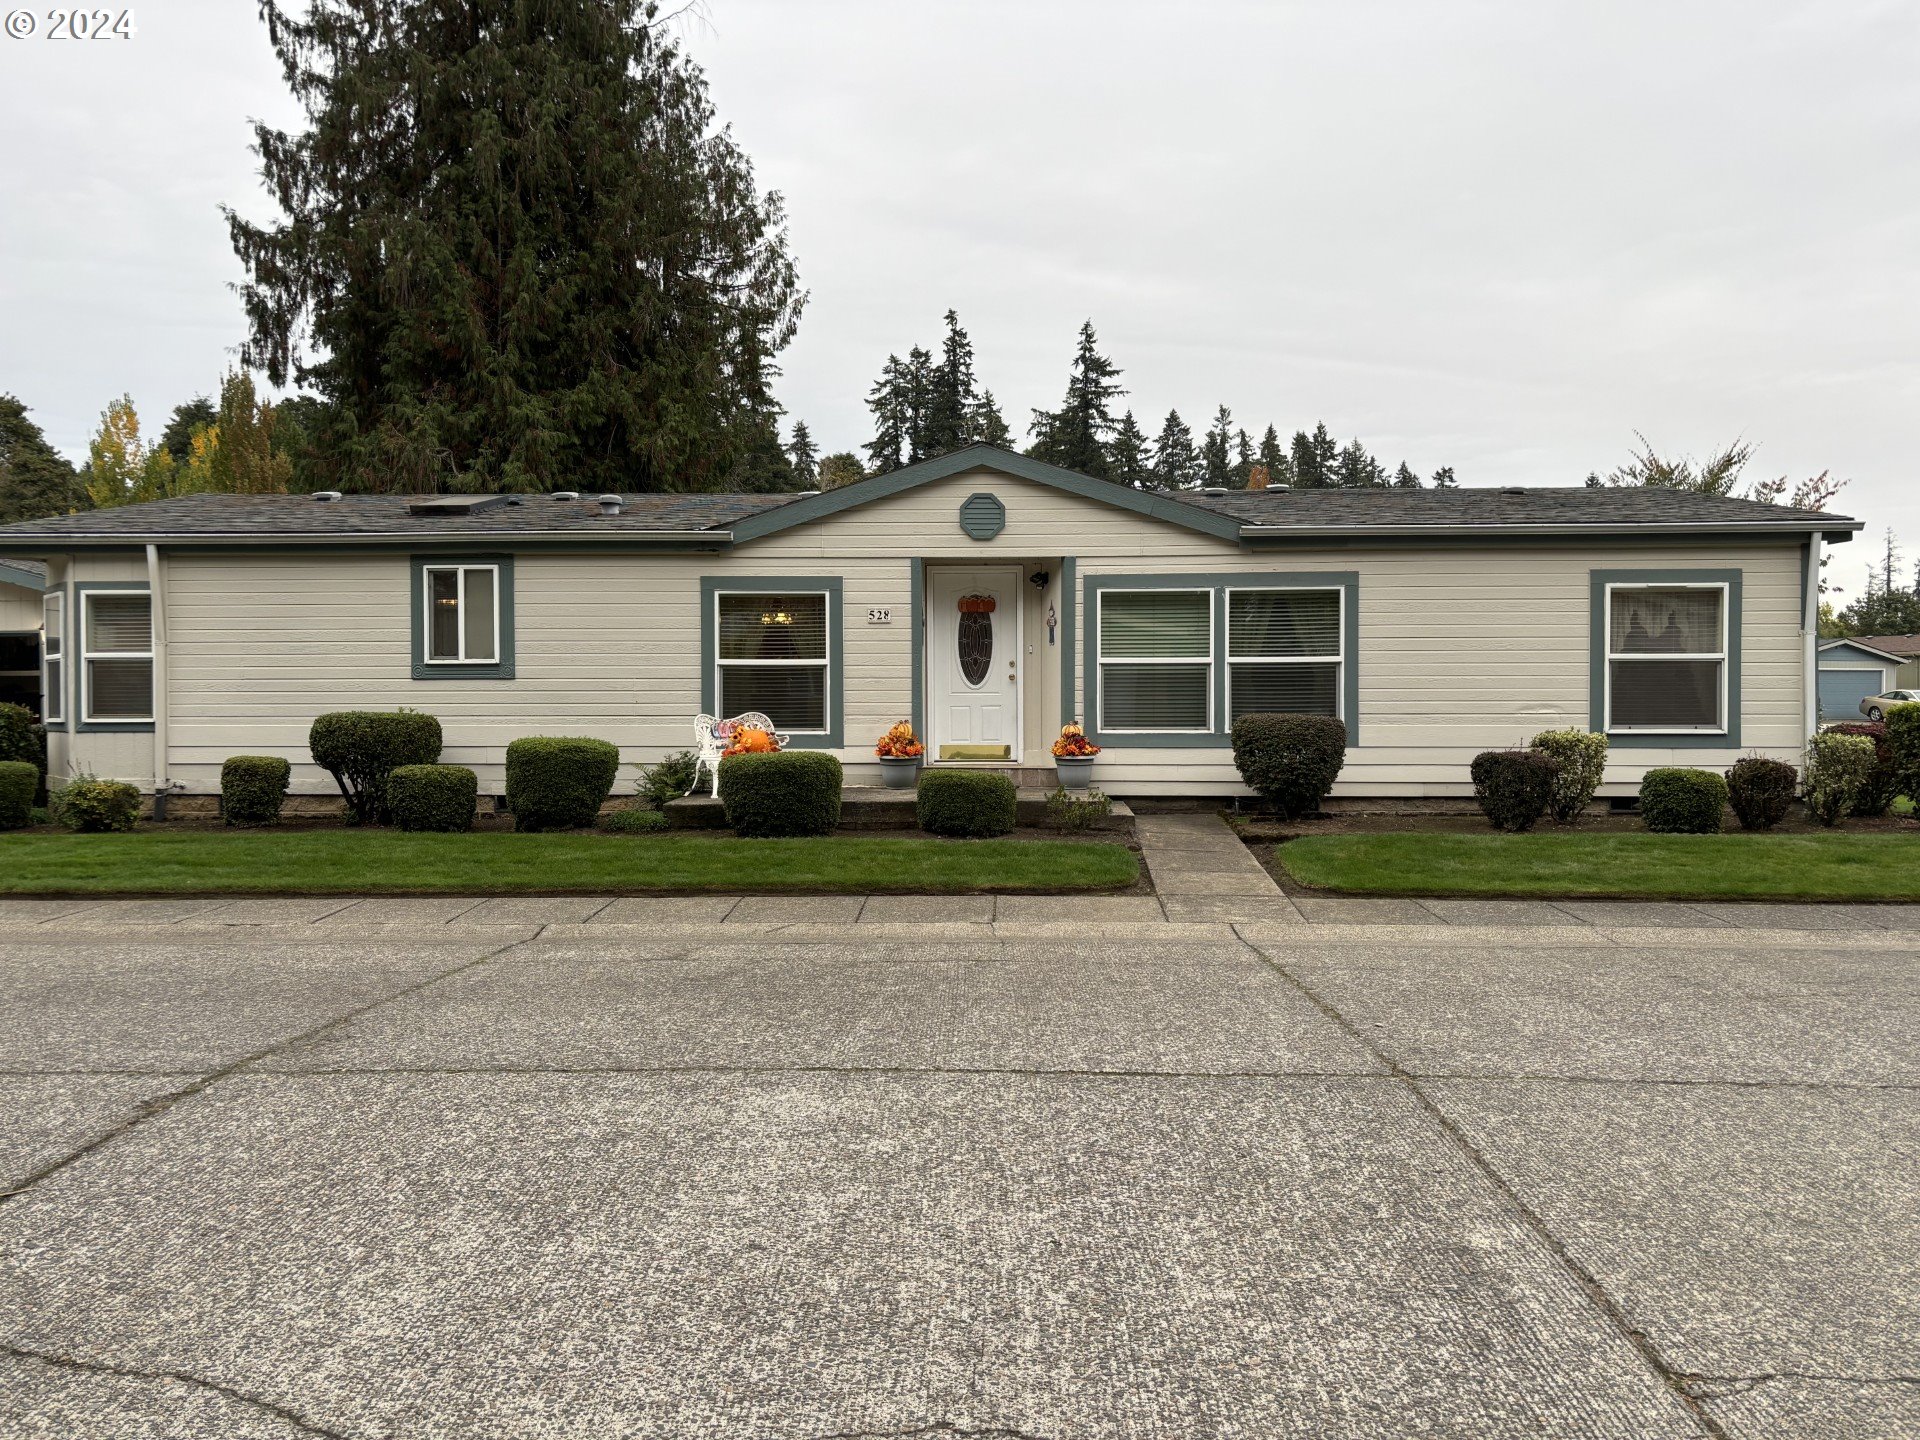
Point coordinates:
[(1582, 756), (433, 797), (360, 748), (253, 788), (1761, 791), (1903, 740), (19, 779), (1290, 760), (557, 782), (1838, 768), (1676, 800), (1514, 787), (24, 738), (634, 822), (972, 803), (95, 806), (782, 792), (1882, 784)]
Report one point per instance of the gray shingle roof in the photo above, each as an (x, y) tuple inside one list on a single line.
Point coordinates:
[(1555, 505), (32, 567)]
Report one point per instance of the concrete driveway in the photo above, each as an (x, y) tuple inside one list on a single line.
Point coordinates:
[(378, 1173)]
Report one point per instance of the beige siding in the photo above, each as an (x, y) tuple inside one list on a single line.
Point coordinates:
[(1461, 648), (19, 609)]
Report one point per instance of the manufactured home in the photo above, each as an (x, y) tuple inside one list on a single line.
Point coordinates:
[(983, 595)]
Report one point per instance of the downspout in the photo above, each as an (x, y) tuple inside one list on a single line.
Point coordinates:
[(157, 609), (1810, 621)]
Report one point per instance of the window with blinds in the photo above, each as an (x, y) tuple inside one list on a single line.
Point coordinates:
[(1284, 652), (1156, 660), (1666, 657), (53, 658), (771, 655), (116, 653), (462, 614)]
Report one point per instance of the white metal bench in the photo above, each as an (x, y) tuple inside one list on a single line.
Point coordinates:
[(711, 736)]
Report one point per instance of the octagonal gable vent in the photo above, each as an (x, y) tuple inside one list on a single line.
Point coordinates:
[(982, 516)]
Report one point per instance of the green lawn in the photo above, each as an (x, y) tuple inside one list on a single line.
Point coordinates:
[(1694, 867), (386, 862)]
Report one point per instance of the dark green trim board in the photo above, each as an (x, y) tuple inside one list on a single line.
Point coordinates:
[(917, 631), (25, 579), (1347, 581), (984, 457), (712, 585), (1069, 602), (73, 647), (501, 669), (1597, 658)]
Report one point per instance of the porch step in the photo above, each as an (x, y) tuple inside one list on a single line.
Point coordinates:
[(876, 807)]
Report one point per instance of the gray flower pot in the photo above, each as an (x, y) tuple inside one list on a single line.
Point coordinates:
[(899, 772), (1075, 774)]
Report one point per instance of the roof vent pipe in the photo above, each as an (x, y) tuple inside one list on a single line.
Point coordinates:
[(1279, 487), (609, 504), (1214, 490), (566, 494), (325, 497)]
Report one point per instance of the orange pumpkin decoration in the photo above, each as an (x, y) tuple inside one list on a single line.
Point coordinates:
[(751, 740)]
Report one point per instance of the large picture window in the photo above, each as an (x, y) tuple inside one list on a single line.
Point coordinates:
[(1155, 653), (1284, 651), (1666, 658), (53, 658), (462, 614), (773, 654), (116, 655)]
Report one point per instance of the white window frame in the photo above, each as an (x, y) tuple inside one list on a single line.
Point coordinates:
[(829, 663), (427, 572), (53, 653), (89, 655), (1720, 656), (1101, 659), (1338, 659)]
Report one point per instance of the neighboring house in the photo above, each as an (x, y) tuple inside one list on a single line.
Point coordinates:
[(1850, 671), (1906, 647), (986, 596), (21, 585)]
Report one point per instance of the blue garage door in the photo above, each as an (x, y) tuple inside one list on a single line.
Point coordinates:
[(1841, 692)]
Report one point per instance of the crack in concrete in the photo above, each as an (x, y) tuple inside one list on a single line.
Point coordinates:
[(932, 1430), (97, 1367), (1721, 1387), (1609, 1308), (156, 1105)]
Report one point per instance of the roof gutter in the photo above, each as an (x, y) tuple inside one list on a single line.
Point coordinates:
[(34, 546), (1834, 530)]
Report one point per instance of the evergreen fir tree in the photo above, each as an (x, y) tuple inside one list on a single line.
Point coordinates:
[(36, 480), (1216, 450), (1357, 470), (1075, 436), (1129, 456), (803, 456), (762, 466), (890, 402), (1242, 460), (986, 425), (918, 400), (1405, 479), (516, 251), (1278, 462), (1443, 478), (1176, 464), (950, 402)]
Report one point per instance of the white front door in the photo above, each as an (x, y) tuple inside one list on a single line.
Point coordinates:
[(973, 663)]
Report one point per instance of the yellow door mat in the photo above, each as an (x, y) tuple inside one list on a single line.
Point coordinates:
[(976, 752)]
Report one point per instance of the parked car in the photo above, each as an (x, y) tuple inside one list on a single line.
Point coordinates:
[(1875, 707)]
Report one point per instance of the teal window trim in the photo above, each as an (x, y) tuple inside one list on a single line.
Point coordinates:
[(1218, 735), (712, 587), (1597, 717), (74, 651), (497, 669), (917, 635), (1069, 601)]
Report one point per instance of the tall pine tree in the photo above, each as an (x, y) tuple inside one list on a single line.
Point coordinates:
[(804, 456), (36, 480), (1176, 464), (520, 250), (891, 403), (1405, 479), (951, 401), (1216, 451), (1129, 455), (1076, 435), (1278, 462), (1443, 478), (986, 424)]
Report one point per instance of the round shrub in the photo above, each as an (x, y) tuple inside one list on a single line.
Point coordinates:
[(433, 797), (1679, 801), (1514, 787), (1290, 760), (19, 779), (360, 748), (1838, 767), (557, 782), (1761, 791), (1582, 757), (1882, 784), (634, 822), (976, 803), (784, 792), (253, 788), (93, 806), (16, 734)]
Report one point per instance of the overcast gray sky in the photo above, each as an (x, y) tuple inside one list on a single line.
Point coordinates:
[(1500, 236)]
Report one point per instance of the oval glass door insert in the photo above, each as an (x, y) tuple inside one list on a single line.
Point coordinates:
[(974, 637)]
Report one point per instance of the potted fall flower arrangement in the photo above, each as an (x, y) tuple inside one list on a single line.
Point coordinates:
[(899, 751), (1073, 756)]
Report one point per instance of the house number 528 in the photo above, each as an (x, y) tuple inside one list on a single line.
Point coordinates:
[(880, 615)]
